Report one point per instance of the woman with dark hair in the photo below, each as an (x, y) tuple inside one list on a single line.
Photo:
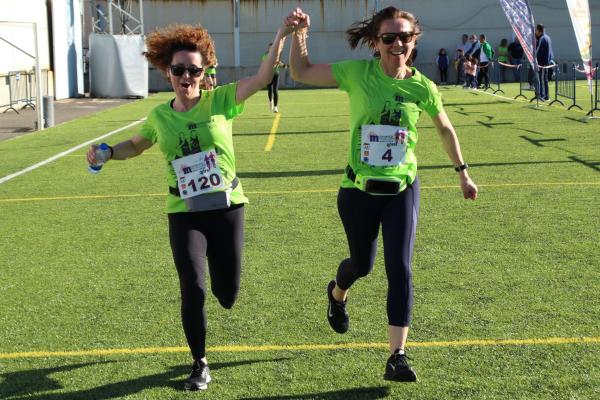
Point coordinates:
[(273, 87), (205, 201), (380, 186)]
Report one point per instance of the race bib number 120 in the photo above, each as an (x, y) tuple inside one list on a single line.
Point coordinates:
[(383, 145), (198, 174)]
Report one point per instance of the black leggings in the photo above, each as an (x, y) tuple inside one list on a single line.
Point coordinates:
[(483, 77), (361, 214), (273, 90), (443, 74), (218, 234)]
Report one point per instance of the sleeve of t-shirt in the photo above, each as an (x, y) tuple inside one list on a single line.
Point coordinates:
[(148, 131), (225, 100), (343, 73), (433, 104)]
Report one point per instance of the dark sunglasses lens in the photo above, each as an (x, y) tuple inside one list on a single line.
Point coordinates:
[(177, 70), (405, 37), (194, 71), (388, 38)]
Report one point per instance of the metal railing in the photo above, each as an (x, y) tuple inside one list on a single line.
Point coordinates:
[(495, 77), (596, 97), (524, 79), (21, 90), (565, 85)]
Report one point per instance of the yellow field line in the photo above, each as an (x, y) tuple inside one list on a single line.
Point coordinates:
[(305, 347), (271, 139), (116, 196)]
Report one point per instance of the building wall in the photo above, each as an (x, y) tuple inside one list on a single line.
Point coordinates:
[(13, 14), (443, 21)]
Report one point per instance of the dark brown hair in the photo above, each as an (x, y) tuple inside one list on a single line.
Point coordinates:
[(165, 42), (366, 31)]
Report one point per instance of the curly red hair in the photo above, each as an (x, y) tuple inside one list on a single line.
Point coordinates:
[(163, 43)]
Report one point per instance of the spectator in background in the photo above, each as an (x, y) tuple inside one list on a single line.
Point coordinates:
[(459, 59), (544, 56), (486, 55), (470, 68), (473, 46), (515, 56), (442, 61), (273, 87), (211, 75), (502, 58)]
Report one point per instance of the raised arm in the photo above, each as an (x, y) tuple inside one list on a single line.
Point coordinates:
[(452, 147), (301, 69), (124, 150), (252, 84)]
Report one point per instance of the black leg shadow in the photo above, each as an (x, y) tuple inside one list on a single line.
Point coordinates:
[(36, 380), (348, 394), (27, 383)]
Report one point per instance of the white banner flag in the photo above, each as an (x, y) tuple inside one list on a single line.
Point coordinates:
[(582, 24)]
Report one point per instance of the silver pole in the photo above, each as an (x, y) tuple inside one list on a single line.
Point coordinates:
[(236, 32), (39, 104), (110, 19), (142, 17)]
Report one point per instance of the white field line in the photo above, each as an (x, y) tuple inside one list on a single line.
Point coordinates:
[(64, 153)]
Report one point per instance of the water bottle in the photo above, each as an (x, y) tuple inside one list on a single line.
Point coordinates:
[(102, 156)]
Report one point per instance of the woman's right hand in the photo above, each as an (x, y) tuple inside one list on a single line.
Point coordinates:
[(297, 20)]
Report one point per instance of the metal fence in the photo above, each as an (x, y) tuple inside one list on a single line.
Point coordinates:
[(524, 80), (21, 90), (596, 96), (565, 85), (496, 78)]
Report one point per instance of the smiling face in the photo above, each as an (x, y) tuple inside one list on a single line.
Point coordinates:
[(186, 86), (396, 54)]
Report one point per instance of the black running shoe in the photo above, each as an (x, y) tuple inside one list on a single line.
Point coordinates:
[(336, 311), (397, 369), (199, 377)]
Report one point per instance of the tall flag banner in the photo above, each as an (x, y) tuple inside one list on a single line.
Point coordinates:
[(582, 24), (520, 17)]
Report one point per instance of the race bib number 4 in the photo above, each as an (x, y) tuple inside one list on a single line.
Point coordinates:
[(383, 145), (198, 174)]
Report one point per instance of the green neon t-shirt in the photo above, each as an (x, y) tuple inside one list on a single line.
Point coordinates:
[(207, 125), (377, 99)]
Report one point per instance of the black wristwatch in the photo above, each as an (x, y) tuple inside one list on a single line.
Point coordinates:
[(461, 167)]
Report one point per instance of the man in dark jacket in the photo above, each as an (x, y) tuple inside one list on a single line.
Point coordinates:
[(544, 56), (515, 56)]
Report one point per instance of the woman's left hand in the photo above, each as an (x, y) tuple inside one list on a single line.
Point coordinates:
[(468, 188)]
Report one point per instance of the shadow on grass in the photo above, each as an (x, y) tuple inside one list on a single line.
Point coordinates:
[(36, 380), (540, 142), (292, 132), (283, 115), (348, 394), (27, 383), (289, 174), (322, 172), (595, 165)]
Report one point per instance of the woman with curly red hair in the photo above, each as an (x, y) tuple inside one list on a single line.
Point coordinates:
[(205, 202)]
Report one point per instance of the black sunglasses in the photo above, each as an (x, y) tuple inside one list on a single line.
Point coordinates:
[(179, 70), (390, 37)]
